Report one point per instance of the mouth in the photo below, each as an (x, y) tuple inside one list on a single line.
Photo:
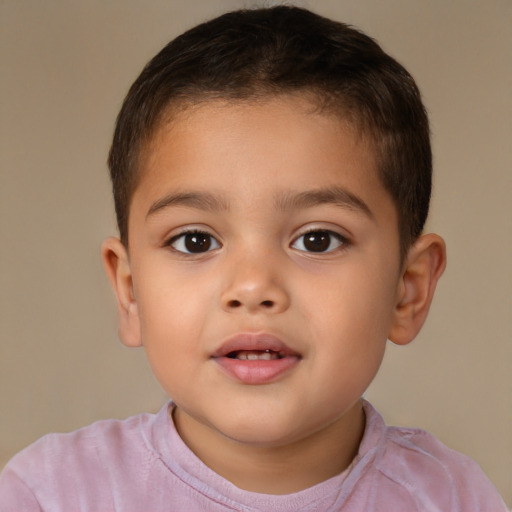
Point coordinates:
[(255, 358), (255, 355)]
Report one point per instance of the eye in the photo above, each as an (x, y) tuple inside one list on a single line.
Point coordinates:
[(319, 241), (194, 242)]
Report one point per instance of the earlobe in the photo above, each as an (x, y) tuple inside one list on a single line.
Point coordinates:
[(117, 266), (424, 266)]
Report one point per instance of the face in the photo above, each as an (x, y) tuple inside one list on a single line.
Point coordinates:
[(264, 268)]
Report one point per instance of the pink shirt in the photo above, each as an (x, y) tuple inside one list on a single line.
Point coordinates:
[(142, 465)]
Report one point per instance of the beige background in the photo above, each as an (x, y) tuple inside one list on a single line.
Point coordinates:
[(65, 67)]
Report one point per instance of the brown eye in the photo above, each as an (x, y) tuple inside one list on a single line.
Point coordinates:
[(318, 241), (194, 242)]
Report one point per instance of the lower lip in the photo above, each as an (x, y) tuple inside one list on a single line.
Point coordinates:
[(258, 371)]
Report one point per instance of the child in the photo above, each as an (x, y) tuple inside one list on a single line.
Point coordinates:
[(271, 173)]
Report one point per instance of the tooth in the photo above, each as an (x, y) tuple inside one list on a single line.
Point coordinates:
[(257, 355)]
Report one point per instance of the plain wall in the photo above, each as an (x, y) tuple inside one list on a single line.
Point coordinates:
[(65, 67)]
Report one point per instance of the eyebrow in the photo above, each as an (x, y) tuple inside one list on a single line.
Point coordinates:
[(332, 195), (200, 200), (288, 201)]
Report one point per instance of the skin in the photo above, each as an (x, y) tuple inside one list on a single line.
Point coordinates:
[(248, 169)]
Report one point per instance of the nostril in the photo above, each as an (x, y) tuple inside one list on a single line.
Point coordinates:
[(234, 303), (267, 303)]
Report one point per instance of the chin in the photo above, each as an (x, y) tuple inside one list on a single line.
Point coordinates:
[(260, 437), (263, 431)]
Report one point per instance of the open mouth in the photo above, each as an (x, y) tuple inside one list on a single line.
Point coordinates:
[(254, 346), (255, 355), (256, 358)]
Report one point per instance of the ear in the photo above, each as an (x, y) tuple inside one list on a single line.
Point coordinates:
[(117, 265), (424, 265)]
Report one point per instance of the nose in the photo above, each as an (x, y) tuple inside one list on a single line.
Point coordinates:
[(255, 285)]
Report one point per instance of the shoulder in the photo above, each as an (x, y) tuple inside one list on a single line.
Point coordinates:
[(84, 446), (409, 453), (433, 474), (57, 467)]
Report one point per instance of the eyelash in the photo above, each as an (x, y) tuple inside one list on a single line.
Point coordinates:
[(191, 232), (205, 241), (342, 241)]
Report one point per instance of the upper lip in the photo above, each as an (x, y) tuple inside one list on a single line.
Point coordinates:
[(253, 342)]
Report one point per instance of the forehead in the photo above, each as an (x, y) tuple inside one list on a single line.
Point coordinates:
[(285, 141)]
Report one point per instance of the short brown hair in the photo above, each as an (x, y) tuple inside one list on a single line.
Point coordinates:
[(249, 54)]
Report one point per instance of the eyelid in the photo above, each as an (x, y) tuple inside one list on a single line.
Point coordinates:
[(334, 232), (188, 228), (313, 227), (184, 231)]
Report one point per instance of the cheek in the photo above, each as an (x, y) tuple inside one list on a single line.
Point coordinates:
[(171, 295), (354, 316), (170, 330), (361, 297), (172, 312)]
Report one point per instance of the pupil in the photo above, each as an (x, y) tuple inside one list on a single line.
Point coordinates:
[(197, 242), (318, 241)]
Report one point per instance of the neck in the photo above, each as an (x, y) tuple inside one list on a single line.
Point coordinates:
[(282, 469)]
